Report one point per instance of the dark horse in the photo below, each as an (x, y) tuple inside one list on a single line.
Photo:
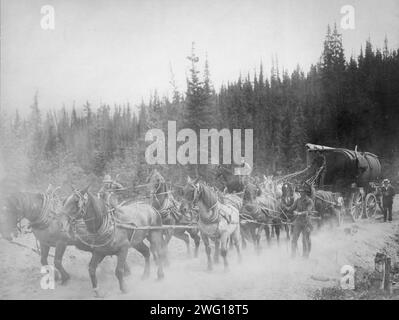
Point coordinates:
[(44, 220), (251, 215), (110, 232), (233, 183), (261, 211), (329, 207), (169, 209), (39, 209), (216, 221), (287, 200)]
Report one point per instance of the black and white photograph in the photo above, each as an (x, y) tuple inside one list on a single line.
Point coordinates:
[(199, 150)]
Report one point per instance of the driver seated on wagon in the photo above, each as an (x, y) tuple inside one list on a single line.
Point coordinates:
[(108, 188)]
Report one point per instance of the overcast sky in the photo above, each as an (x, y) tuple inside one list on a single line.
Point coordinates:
[(119, 51)]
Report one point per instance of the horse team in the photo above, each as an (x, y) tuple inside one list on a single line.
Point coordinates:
[(92, 224)]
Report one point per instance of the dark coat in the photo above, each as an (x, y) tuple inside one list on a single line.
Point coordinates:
[(387, 195)]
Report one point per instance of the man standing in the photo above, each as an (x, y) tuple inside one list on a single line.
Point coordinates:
[(302, 208), (388, 193)]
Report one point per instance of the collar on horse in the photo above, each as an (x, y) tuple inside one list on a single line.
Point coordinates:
[(103, 236), (83, 201), (42, 220), (215, 217)]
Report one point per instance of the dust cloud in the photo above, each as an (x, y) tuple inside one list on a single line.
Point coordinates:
[(270, 275)]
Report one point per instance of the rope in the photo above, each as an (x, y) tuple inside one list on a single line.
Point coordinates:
[(105, 233), (291, 175)]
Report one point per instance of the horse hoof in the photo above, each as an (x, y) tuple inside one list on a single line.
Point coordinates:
[(98, 294), (65, 280), (145, 275), (160, 278), (124, 290), (57, 275)]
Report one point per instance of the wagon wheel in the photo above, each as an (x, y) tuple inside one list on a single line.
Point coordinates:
[(356, 206), (371, 205)]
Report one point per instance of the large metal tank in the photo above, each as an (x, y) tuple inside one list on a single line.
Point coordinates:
[(370, 168), (344, 167)]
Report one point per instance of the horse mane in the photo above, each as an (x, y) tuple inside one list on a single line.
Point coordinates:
[(208, 195), (20, 202), (99, 208)]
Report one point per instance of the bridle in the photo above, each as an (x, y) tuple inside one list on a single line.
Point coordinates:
[(196, 195), (82, 206)]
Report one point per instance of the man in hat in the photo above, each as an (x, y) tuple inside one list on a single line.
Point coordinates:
[(388, 193), (108, 188), (301, 209)]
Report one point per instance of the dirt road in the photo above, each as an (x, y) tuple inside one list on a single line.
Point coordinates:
[(270, 275)]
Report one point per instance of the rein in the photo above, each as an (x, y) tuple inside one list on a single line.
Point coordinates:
[(103, 236)]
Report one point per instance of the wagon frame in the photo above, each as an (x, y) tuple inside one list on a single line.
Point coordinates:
[(351, 173)]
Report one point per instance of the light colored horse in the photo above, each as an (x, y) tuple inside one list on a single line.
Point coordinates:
[(171, 213), (113, 233), (216, 221)]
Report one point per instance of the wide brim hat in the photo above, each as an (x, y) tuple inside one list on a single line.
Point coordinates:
[(107, 178)]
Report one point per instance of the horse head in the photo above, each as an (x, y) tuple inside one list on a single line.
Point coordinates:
[(251, 192), (75, 207), (191, 191), (155, 180), (10, 214)]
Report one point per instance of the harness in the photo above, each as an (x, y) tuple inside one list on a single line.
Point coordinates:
[(43, 219), (168, 207), (103, 236), (215, 217)]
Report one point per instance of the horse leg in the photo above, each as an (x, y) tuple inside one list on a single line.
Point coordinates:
[(126, 269), (120, 267), (277, 231), (224, 239), (158, 251), (231, 242), (244, 236), (253, 232), (44, 251), (143, 249), (197, 239), (166, 239), (96, 259), (217, 251), (59, 253), (267, 231), (180, 234), (208, 250), (237, 242), (287, 231)]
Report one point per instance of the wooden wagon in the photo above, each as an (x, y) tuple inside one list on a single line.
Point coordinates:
[(352, 173)]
